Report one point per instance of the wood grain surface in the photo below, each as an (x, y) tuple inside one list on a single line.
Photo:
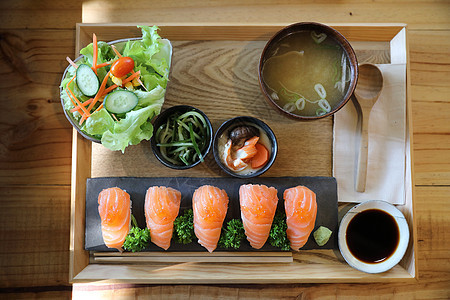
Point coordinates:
[(221, 79), (226, 68), (35, 141)]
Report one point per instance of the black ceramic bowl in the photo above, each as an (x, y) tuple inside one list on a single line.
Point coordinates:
[(307, 26), (162, 119), (245, 120)]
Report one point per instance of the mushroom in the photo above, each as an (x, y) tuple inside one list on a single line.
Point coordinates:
[(241, 133)]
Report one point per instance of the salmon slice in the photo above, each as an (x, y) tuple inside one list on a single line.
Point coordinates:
[(114, 207), (233, 164), (301, 211), (248, 150), (258, 206), (162, 205), (238, 159), (210, 205)]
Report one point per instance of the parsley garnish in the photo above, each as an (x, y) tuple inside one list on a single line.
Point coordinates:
[(184, 227), (137, 239), (278, 236), (232, 235)]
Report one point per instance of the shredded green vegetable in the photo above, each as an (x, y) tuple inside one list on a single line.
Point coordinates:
[(183, 138)]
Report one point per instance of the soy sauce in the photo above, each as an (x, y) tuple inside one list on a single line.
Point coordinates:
[(372, 236)]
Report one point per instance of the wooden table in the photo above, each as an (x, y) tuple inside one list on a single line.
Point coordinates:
[(35, 139)]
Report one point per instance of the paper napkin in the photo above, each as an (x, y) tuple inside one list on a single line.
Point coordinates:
[(387, 143)]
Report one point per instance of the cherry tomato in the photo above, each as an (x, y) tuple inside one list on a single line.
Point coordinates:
[(122, 66)]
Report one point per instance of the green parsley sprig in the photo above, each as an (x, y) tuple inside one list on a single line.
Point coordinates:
[(278, 236), (232, 235), (184, 227), (137, 239)]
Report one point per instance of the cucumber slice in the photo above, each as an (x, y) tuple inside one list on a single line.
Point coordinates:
[(120, 102), (87, 80)]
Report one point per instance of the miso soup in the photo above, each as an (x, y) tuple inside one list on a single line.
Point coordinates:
[(307, 73)]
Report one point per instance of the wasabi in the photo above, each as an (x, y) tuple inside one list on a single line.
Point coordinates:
[(322, 235)]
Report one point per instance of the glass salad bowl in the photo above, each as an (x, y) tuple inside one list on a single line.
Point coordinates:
[(115, 122)]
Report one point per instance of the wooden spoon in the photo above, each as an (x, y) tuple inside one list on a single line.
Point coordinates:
[(368, 89)]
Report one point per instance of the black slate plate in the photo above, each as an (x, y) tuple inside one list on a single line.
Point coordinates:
[(324, 187)]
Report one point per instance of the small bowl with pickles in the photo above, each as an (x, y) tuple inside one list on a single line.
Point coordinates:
[(182, 137), (245, 147)]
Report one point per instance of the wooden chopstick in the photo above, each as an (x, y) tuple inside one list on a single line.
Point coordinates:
[(218, 253), (177, 257)]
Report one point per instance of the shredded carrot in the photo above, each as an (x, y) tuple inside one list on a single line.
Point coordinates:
[(110, 89), (71, 80), (100, 91), (96, 98), (105, 92), (132, 71), (141, 83), (94, 62), (131, 77), (128, 79), (115, 118), (76, 99), (83, 118), (103, 64), (116, 51), (72, 62), (73, 102), (85, 103), (98, 108), (79, 103)]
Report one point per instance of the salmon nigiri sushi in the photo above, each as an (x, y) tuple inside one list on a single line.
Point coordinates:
[(162, 205), (258, 206), (210, 205), (301, 211), (114, 207)]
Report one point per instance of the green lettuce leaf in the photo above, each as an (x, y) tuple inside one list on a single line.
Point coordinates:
[(152, 56), (131, 130), (74, 88), (155, 96), (99, 122), (150, 78), (106, 51), (104, 55)]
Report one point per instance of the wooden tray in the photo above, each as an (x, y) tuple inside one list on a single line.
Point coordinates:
[(214, 68)]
